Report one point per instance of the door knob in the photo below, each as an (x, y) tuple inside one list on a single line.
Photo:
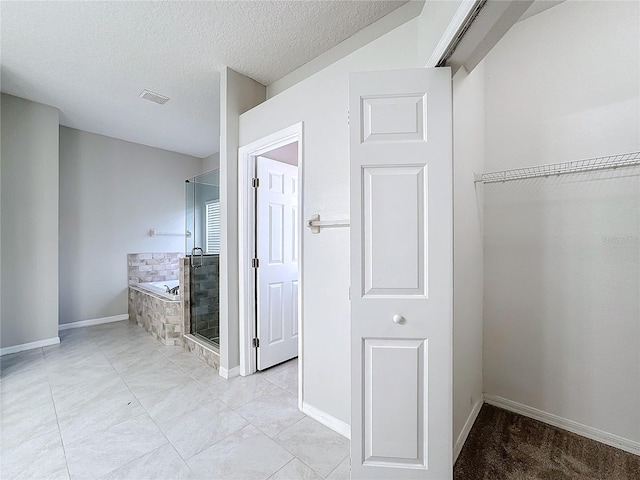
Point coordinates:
[(399, 319)]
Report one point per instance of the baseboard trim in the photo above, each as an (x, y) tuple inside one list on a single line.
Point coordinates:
[(229, 372), (457, 448), (616, 441), (93, 321), (327, 420), (29, 346)]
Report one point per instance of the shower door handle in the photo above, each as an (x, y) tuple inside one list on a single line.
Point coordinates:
[(193, 254)]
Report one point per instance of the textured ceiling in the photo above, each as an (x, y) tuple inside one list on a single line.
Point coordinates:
[(92, 59)]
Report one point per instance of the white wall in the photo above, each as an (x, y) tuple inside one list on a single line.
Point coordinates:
[(237, 95), (112, 193), (562, 255), (321, 103), (29, 203), (468, 273)]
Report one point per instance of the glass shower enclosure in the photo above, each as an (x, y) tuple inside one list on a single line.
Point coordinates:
[(202, 195)]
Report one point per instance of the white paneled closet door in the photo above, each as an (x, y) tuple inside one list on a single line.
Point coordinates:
[(401, 274)]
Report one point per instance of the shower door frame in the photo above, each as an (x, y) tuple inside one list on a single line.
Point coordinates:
[(197, 229), (247, 155)]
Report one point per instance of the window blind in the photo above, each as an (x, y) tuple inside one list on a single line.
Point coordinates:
[(212, 229)]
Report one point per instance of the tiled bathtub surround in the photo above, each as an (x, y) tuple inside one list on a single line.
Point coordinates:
[(169, 321), (160, 317), (152, 267)]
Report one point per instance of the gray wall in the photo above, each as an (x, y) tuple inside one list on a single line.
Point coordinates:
[(29, 206), (112, 193), (237, 95), (211, 162)]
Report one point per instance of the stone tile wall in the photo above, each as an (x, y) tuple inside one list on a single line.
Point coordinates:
[(170, 321), (152, 267), (202, 351), (204, 298), (189, 342), (160, 317)]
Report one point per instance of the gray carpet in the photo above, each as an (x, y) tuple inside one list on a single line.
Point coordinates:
[(507, 446)]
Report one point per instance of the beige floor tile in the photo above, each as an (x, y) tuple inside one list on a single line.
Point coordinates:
[(97, 454), (40, 457), (239, 391), (272, 413), (72, 396), (123, 406), (153, 380), (19, 425), (176, 401), (342, 471), (21, 361), (200, 428), (317, 446), (93, 417), (162, 463), (206, 375), (295, 470), (246, 455), (284, 376)]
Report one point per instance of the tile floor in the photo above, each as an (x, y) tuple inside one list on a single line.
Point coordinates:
[(111, 402)]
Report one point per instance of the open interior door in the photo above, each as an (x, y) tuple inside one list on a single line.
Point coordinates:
[(401, 274), (277, 253)]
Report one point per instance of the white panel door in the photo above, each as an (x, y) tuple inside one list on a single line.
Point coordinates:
[(277, 277), (401, 274)]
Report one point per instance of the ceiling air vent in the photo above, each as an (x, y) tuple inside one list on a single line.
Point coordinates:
[(154, 97)]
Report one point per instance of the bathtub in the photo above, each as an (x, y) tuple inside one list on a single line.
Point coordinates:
[(158, 312), (159, 288)]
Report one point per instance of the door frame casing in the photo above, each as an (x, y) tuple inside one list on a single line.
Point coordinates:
[(247, 155)]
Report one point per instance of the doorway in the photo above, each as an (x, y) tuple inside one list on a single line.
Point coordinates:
[(270, 206)]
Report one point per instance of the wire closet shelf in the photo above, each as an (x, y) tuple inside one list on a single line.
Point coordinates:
[(591, 164)]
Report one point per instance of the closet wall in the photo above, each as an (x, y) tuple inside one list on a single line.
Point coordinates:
[(562, 254), (468, 157)]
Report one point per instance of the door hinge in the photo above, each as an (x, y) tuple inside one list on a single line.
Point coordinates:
[(255, 182), (256, 342), (255, 263), (348, 117)]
